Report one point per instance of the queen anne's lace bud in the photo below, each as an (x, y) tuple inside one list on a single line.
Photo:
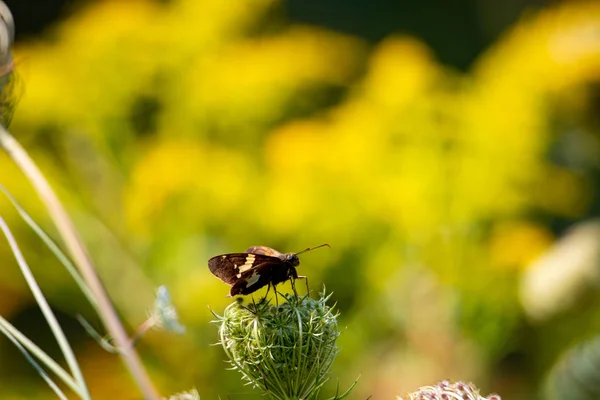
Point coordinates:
[(286, 350), (190, 395), (449, 391)]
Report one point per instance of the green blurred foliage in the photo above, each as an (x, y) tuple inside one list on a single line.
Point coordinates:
[(179, 130)]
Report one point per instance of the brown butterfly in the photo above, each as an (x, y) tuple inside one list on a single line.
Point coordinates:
[(258, 266)]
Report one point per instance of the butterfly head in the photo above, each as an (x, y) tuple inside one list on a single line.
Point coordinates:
[(291, 258)]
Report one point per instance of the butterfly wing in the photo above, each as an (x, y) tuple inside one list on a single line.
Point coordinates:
[(263, 250), (231, 267), (225, 267), (255, 278)]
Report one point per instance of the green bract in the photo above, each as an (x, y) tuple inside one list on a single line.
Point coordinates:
[(286, 350)]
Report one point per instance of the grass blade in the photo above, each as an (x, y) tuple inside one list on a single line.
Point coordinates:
[(35, 365), (46, 310), (62, 257), (40, 354)]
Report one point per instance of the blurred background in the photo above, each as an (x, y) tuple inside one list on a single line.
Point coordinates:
[(448, 151)]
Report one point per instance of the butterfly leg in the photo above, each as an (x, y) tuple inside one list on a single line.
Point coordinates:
[(294, 275), (306, 280), (293, 283), (276, 298)]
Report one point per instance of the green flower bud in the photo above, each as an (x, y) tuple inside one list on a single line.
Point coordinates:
[(285, 350)]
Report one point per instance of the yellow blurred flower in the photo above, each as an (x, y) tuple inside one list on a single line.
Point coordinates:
[(515, 244), (201, 180)]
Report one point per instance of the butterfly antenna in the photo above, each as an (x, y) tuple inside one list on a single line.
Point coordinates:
[(313, 248)]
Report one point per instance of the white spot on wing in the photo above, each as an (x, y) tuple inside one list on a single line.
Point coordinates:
[(248, 264), (253, 279), (238, 276)]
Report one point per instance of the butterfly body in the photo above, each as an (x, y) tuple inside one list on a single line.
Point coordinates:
[(257, 267)]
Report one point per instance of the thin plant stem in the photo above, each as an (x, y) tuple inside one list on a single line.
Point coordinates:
[(35, 365), (142, 329), (63, 343), (80, 256), (102, 341), (105, 344), (53, 247), (32, 348)]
